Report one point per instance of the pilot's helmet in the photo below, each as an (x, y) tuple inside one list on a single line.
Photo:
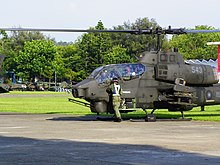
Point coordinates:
[(104, 73), (115, 79)]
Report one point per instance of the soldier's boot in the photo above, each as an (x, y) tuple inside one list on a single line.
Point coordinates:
[(117, 120)]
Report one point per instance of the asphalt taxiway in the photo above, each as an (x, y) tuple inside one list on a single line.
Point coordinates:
[(66, 139)]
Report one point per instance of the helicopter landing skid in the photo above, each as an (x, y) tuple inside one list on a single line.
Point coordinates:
[(144, 120), (150, 118)]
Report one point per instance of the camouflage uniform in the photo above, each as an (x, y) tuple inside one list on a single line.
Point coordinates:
[(115, 91)]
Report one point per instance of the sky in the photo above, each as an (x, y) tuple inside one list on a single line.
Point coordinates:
[(82, 14)]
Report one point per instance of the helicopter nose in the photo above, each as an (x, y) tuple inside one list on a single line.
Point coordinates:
[(79, 92), (75, 93)]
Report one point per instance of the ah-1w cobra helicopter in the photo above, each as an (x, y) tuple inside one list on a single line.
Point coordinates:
[(159, 81)]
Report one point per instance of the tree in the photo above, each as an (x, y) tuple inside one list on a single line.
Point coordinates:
[(194, 46), (92, 48), (71, 61), (3, 34), (116, 55), (136, 44), (13, 44), (36, 59)]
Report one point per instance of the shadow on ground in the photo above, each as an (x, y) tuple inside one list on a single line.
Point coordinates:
[(111, 118), (19, 150), (95, 118), (82, 118)]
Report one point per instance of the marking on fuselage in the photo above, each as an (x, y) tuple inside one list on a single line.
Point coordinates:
[(210, 101), (126, 92)]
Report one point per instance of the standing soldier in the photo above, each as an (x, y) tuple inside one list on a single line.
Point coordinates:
[(115, 91)]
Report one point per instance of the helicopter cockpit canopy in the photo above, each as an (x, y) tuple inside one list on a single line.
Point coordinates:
[(105, 74)]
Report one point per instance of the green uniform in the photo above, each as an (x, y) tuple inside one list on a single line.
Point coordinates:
[(116, 91)]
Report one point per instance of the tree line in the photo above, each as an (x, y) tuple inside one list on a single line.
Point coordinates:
[(32, 54)]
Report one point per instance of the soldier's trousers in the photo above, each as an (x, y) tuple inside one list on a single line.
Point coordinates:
[(116, 103)]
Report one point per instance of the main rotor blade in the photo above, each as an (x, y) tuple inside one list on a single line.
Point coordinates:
[(70, 30), (186, 31), (202, 31), (134, 31)]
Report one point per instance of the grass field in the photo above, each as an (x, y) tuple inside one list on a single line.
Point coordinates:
[(40, 102), (57, 103)]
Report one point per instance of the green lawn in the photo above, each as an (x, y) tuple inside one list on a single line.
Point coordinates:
[(40, 102), (54, 102)]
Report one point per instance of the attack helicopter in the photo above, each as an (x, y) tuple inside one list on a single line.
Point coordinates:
[(160, 80)]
